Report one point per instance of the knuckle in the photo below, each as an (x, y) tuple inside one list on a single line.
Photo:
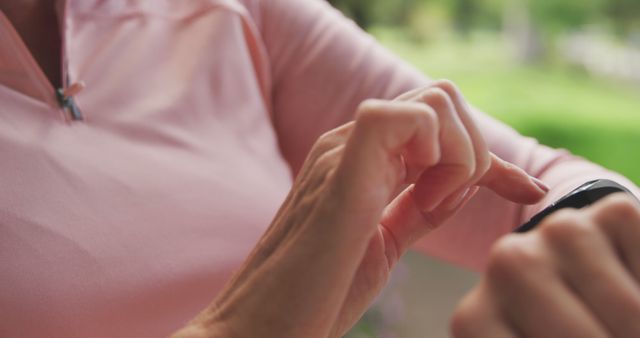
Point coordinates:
[(370, 114), (462, 322), (376, 115), (471, 170), (483, 163), (326, 140), (447, 85), (368, 109), (324, 137), (425, 115), (509, 257), (564, 226), (465, 171), (329, 159), (438, 99), (622, 205), (325, 143)]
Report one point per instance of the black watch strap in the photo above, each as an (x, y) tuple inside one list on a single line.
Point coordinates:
[(578, 198)]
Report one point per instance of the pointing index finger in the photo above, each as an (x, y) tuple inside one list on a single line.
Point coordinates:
[(512, 182)]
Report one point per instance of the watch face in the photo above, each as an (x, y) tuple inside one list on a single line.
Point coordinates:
[(578, 198)]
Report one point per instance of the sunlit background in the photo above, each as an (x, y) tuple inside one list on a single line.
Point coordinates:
[(566, 72)]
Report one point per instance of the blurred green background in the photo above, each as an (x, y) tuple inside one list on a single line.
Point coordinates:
[(566, 72)]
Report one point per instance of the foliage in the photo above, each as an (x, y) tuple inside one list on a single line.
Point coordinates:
[(560, 107), (558, 15), (625, 13), (464, 15), (368, 12)]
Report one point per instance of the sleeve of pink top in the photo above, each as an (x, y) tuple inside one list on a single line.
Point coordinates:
[(323, 66)]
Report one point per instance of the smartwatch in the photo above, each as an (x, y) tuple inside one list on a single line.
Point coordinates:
[(582, 196)]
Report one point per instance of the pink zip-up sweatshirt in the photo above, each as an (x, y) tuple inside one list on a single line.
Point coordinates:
[(126, 206)]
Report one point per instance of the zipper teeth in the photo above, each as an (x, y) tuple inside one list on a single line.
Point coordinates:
[(65, 102), (69, 103)]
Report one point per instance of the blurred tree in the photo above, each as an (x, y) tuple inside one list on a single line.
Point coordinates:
[(625, 15), (358, 10), (529, 22), (523, 32), (554, 16), (463, 15), (368, 12)]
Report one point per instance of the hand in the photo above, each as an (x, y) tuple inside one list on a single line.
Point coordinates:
[(366, 192), (577, 275)]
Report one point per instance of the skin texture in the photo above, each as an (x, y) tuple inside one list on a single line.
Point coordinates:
[(576, 276), (366, 192), (371, 188)]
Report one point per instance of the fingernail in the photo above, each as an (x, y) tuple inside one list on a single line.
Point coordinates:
[(465, 198), (458, 199), (454, 202), (540, 184)]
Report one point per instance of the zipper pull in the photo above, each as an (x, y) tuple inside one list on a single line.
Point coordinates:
[(65, 99)]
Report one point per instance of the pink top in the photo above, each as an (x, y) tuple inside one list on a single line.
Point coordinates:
[(127, 223)]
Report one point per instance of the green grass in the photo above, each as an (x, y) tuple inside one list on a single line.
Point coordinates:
[(560, 106)]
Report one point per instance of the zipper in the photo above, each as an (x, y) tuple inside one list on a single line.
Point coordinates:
[(68, 91), (68, 105), (62, 98), (66, 101)]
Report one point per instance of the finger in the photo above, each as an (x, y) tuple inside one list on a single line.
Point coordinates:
[(413, 94), (406, 223), (532, 295), (517, 187), (350, 207), (619, 217), (463, 111), (404, 219), (591, 267), (512, 183), (481, 151), (477, 316), (457, 162), (371, 169)]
